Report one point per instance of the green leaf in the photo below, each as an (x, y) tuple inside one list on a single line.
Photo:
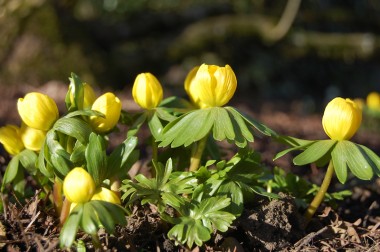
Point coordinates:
[(76, 85), (70, 228), (74, 127), (89, 221), (84, 112), (28, 160), (11, 171), (19, 183), (356, 162), (77, 156), (292, 141), (339, 159), (121, 156), (232, 191), (105, 217), (189, 232), (188, 128), (257, 125), (222, 126), (43, 162), (137, 125), (155, 125), (242, 133), (164, 115), (314, 152), (371, 157), (96, 158)]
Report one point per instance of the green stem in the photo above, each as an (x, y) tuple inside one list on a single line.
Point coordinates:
[(197, 154), (321, 193), (154, 149), (154, 156), (96, 241), (57, 195)]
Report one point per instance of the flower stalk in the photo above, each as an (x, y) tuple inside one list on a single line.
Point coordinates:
[(197, 154), (321, 193)]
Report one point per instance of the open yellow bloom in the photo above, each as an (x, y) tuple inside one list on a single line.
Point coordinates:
[(78, 186), (373, 100), (38, 111), (341, 119), (106, 195), (10, 137), (32, 138), (147, 91), (210, 85), (110, 106)]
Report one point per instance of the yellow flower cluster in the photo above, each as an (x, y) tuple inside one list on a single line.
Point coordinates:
[(38, 113), (206, 85)]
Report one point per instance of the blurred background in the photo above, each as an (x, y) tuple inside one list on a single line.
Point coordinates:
[(283, 50)]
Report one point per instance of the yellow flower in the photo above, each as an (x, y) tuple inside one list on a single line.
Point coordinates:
[(32, 138), (147, 91), (342, 118), (78, 186), (10, 137), (106, 195), (37, 110), (373, 100), (109, 105), (210, 85)]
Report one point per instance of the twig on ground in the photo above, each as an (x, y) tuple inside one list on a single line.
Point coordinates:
[(304, 241)]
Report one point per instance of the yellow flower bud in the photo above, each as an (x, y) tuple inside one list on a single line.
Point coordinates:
[(342, 118), (210, 85), (147, 91), (110, 106), (32, 138), (373, 100), (88, 95), (78, 186), (38, 111), (106, 195), (10, 137)]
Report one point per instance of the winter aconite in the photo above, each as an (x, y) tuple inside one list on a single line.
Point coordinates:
[(341, 119), (110, 106), (32, 138), (211, 85), (78, 186), (10, 137), (38, 111), (147, 91)]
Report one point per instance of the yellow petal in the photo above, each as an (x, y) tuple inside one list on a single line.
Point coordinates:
[(106, 195), (38, 111), (341, 119), (10, 137), (211, 85), (78, 186), (110, 106), (147, 91), (32, 138)]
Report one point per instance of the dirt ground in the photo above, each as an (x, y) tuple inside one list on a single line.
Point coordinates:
[(275, 225)]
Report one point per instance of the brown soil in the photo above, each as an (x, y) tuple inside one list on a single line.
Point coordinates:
[(275, 225)]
